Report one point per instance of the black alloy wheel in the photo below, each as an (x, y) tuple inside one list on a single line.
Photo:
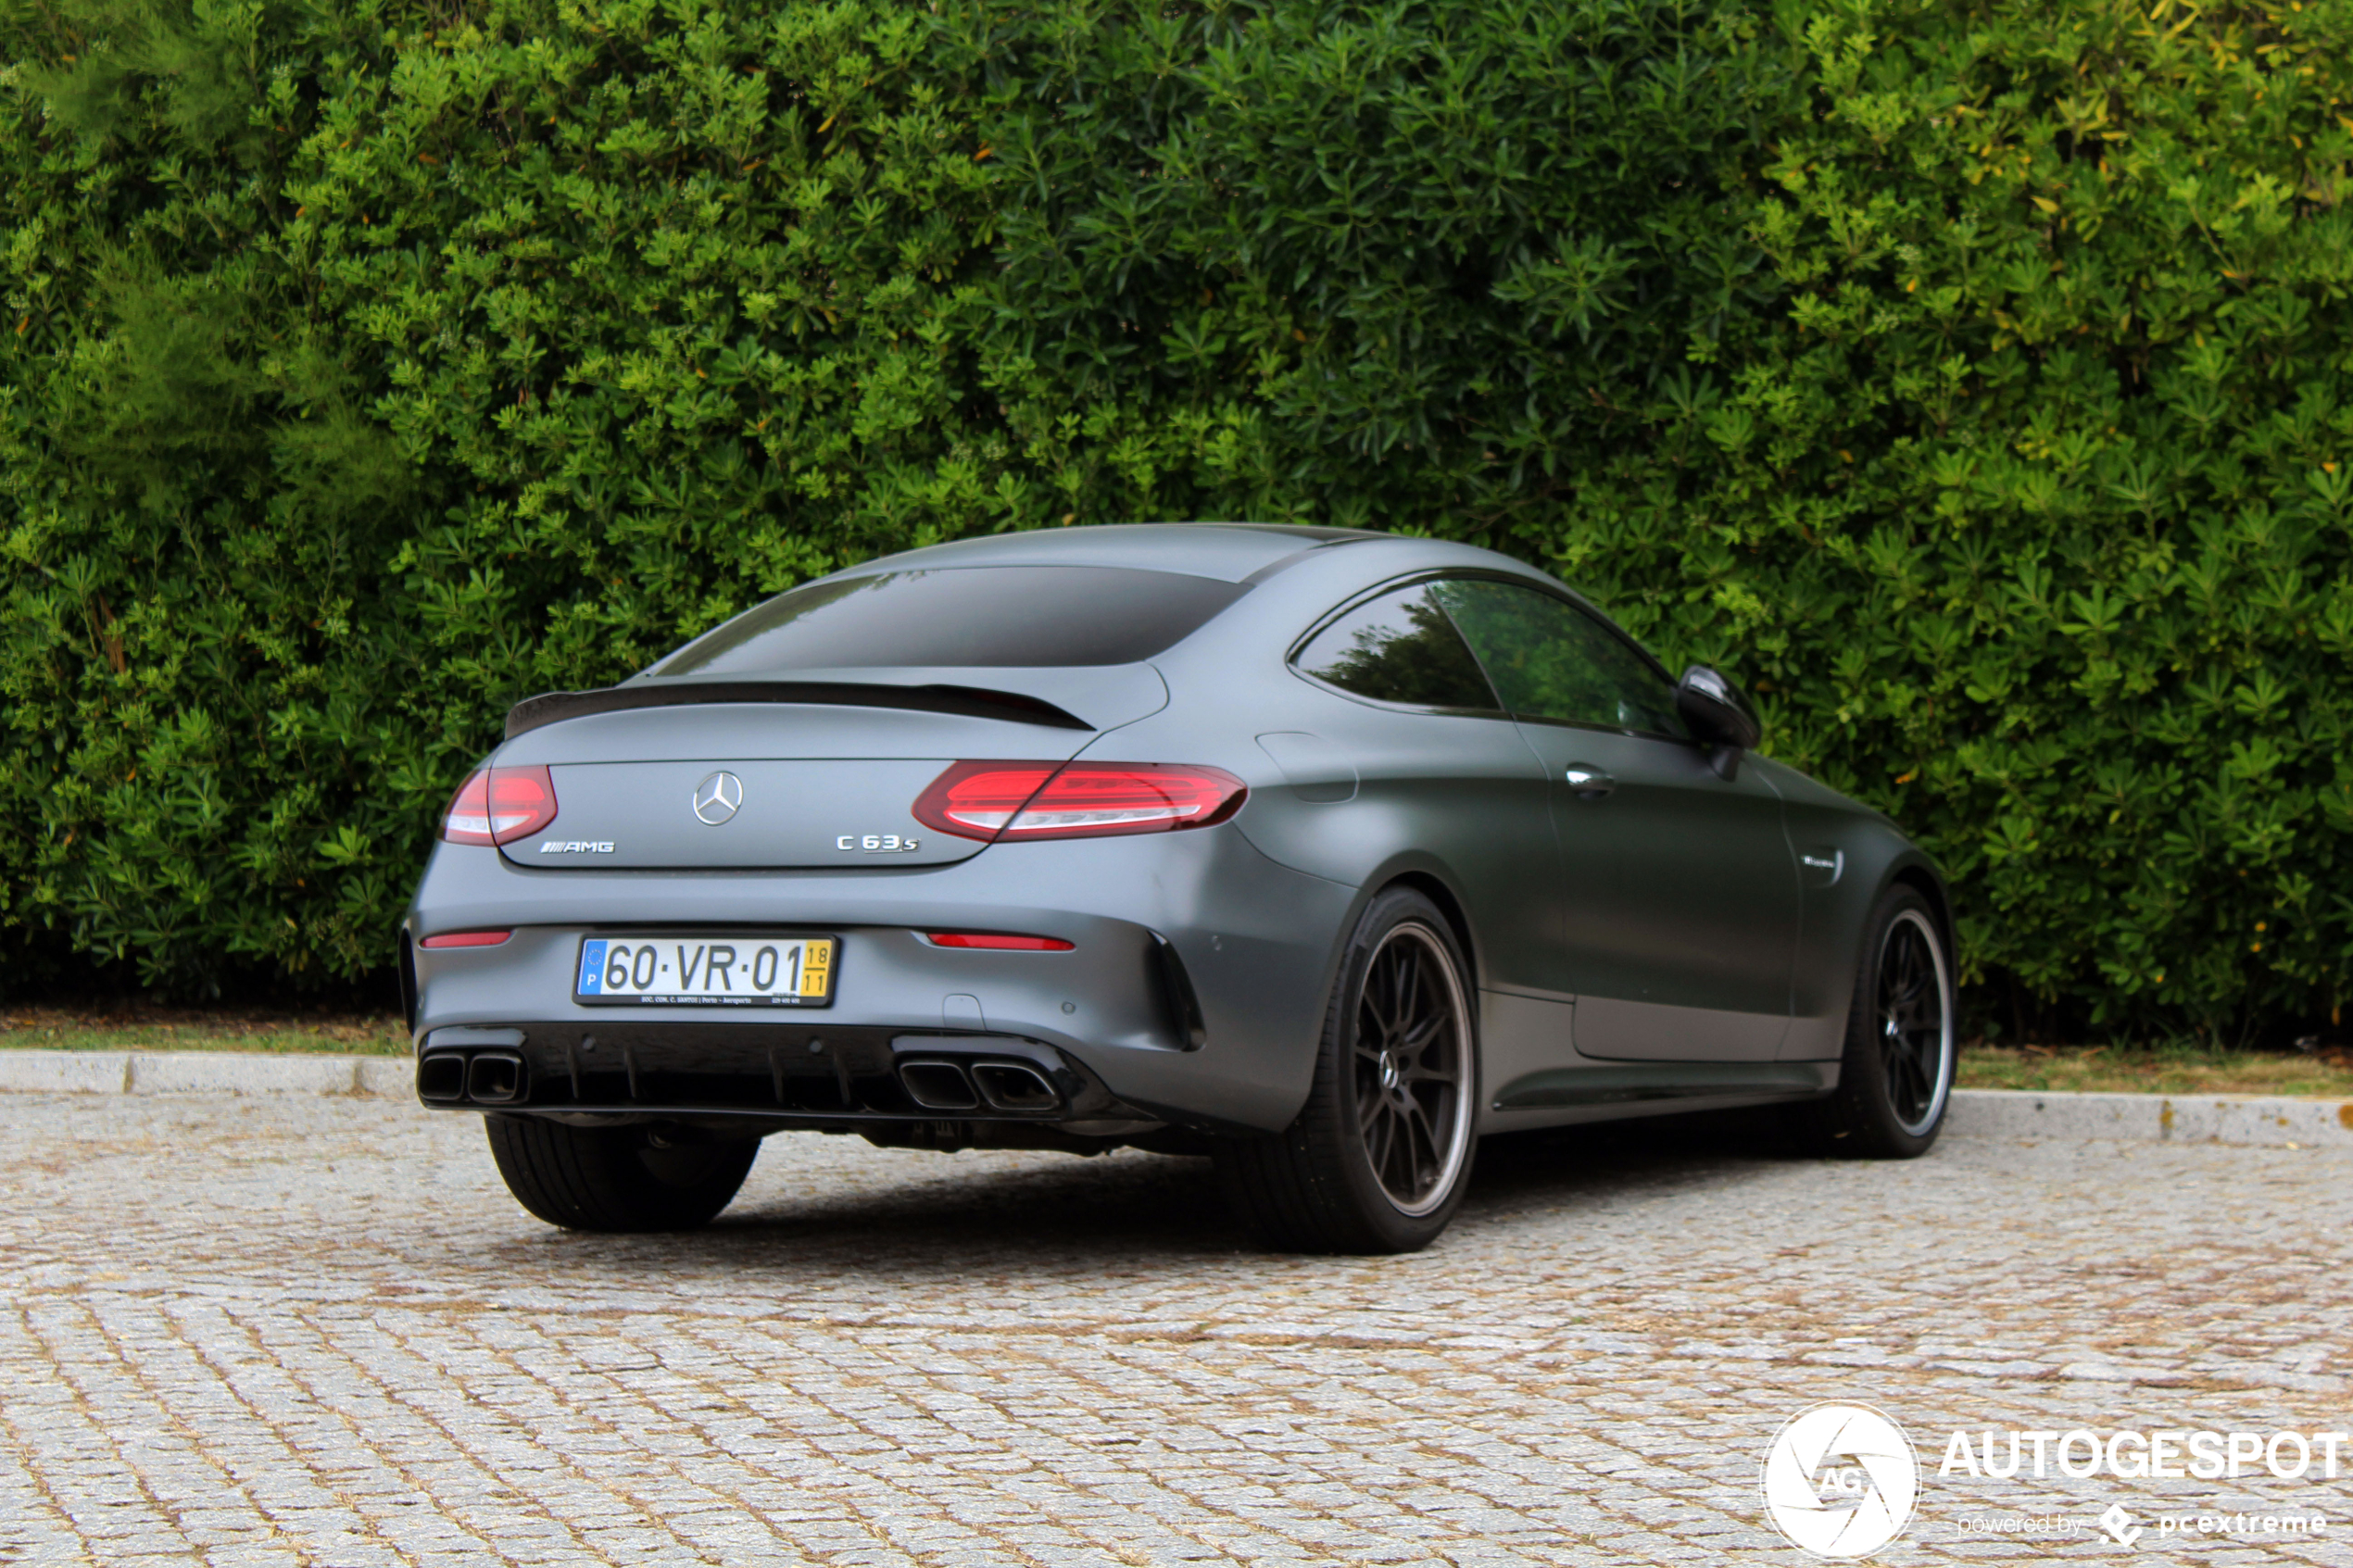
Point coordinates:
[(1896, 1079), (1913, 1014), (1411, 1054), (1378, 1158)]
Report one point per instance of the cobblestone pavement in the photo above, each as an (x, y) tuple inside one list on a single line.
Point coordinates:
[(311, 1331)]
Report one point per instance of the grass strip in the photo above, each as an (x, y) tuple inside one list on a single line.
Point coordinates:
[(69, 1029), (2157, 1071)]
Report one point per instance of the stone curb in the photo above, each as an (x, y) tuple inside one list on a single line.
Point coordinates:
[(2272, 1121), (198, 1072)]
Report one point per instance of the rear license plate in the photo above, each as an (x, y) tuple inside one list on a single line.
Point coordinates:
[(755, 972)]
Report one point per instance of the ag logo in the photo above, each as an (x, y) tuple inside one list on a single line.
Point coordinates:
[(1840, 1480)]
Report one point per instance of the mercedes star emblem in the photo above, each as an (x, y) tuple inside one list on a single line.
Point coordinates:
[(717, 796)]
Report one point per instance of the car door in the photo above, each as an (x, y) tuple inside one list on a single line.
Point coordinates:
[(1678, 896)]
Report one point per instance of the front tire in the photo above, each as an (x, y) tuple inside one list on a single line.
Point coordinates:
[(1378, 1159), (616, 1178), (1896, 1079)]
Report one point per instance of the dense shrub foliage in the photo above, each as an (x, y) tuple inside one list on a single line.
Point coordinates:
[(1971, 379)]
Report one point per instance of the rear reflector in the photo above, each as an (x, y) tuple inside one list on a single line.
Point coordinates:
[(499, 805), (1004, 800), (996, 942), (466, 939)]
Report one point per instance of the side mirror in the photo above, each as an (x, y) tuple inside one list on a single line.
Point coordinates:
[(1719, 715)]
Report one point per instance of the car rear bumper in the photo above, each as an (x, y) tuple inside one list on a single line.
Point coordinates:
[(1192, 993)]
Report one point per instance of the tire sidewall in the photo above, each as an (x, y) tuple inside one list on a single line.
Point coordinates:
[(1391, 1228)]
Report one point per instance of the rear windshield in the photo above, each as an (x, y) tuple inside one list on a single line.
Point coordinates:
[(962, 616)]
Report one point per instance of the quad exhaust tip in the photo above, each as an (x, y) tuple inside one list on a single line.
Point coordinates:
[(442, 1079), (938, 1085), (494, 1078), (1008, 1085), (1002, 1086), (485, 1077)]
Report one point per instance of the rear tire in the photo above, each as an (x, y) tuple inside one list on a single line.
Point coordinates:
[(1378, 1159), (616, 1178), (1896, 1079)]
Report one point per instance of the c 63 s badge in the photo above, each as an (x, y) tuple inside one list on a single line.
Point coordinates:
[(877, 843)]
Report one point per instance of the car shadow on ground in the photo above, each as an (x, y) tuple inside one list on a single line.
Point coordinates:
[(921, 1213), (1652, 1156)]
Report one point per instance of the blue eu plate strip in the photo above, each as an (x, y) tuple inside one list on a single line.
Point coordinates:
[(592, 966)]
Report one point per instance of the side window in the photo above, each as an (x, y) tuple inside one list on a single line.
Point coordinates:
[(1399, 648), (1550, 660)]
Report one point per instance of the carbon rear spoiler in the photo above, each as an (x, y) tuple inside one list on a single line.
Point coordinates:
[(972, 702)]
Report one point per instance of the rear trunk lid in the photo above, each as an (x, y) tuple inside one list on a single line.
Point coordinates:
[(821, 771)]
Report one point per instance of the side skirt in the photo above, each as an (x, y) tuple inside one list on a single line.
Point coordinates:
[(1561, 1095)]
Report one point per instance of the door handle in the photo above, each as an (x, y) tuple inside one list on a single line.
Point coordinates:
[(1587, 782)]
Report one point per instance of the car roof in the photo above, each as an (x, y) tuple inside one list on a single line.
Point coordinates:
[(1230, 552)]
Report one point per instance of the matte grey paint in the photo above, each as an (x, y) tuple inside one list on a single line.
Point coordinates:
[(1318, 771), (1679, 900), (1665, 923)]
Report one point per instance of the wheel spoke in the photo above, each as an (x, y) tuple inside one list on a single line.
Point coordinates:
[(1905, 974), (1372, 1014), (1377, 1139), (1419, 1137), (1928, 1054), (1899, 1086), (1422, 1034), (1405, 1161), (1914, 1096), (1908, 978)]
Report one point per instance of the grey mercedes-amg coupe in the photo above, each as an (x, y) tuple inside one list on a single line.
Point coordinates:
[(1319, 852)]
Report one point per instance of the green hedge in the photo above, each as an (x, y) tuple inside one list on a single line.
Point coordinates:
[(1971, 380)]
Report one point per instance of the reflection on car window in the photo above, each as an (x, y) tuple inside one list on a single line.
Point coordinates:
[(1034, 616), (1400, 647), (1550, 660)]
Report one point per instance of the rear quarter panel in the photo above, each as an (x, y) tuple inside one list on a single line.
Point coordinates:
[(1370, 792)]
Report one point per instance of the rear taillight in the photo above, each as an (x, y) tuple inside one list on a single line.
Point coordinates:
[(1007, 800), (998, 942), (499, 805), (977, 799)]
